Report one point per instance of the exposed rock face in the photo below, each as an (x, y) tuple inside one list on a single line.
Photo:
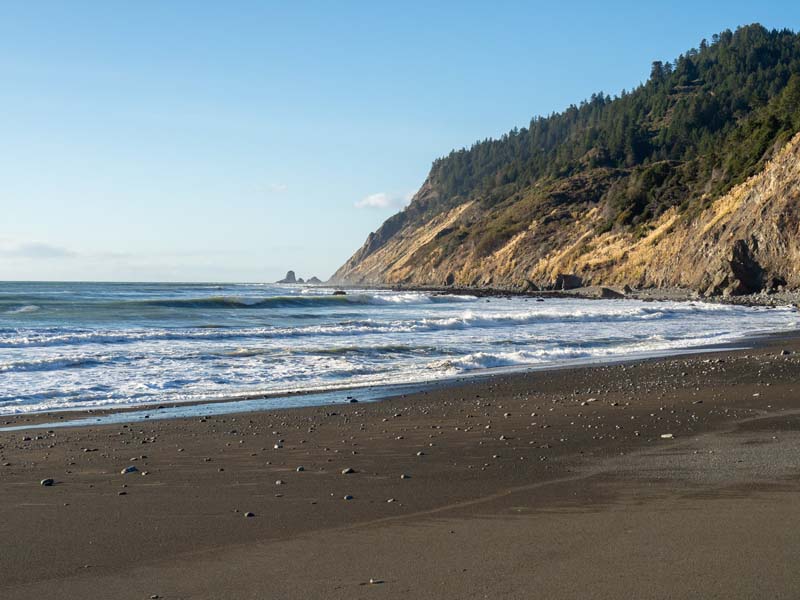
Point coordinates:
[(314, 281), (743, 274), (745, 241), (290, 278)]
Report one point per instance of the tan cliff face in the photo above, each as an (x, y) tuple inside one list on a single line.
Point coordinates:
[(744, 241)]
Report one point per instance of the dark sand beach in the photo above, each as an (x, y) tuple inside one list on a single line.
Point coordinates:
[(665, 478)]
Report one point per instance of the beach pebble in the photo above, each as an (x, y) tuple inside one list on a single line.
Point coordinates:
[(249, 515), (279, 482), (47, 482), (348, 497), (347, 471), (404, 476), (666, 436), (300, 469), (126, 470)]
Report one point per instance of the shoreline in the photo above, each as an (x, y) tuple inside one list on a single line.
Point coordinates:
[(597, 292), (76, 417), (537, 468)]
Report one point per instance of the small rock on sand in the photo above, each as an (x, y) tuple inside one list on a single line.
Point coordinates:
[(126, 470), (47, 482), (347, 471)]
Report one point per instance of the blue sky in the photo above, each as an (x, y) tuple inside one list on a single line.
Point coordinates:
[(231, 141)]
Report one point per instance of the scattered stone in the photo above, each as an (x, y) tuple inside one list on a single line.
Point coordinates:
[(348, 497), (347, 471), (47, 482), (300, 469), (249, 515), (667, 436), (126, 470)]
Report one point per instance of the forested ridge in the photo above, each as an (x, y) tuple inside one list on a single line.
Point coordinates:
[(708, 116), (701, 124)]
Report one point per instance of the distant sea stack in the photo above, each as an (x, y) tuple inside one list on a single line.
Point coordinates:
[(690, 180), (291, 277)]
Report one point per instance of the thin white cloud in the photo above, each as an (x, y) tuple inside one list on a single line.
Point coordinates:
[(278, 188), (384, 200), (33, 250)]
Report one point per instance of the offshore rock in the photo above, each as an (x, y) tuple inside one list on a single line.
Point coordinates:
[(290, 278)]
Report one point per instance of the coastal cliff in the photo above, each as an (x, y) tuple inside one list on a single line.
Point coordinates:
[(691, 180)]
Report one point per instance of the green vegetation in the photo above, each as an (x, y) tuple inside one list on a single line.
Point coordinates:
[(698, 126)]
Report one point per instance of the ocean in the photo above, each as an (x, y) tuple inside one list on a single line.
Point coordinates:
[(102, 345)]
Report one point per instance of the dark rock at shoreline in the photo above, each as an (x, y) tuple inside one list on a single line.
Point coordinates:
[(603, 293), (566, 281), (314, 280)]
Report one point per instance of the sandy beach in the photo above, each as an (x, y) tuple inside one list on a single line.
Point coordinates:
[(675, 477)]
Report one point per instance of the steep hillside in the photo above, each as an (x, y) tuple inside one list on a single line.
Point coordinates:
[(689, 180)]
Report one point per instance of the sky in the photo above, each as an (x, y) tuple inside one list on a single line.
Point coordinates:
[(232, 141)]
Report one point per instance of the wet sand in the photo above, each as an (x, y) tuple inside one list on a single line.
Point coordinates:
[(551, 484)]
